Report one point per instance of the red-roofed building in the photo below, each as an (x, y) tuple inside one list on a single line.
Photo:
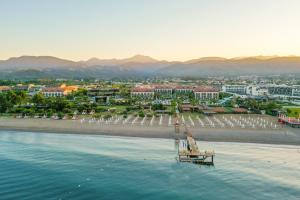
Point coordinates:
[(167, 91), (240, 110), (164, 89), (219, 109), (69, 89), (4, 88), (63, 90), (206, 93), (143, 92), (184, 88)]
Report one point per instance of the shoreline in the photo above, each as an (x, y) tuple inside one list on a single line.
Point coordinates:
[(284, 136)]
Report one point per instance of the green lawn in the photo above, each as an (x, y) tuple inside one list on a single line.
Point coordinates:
[(293, 111)]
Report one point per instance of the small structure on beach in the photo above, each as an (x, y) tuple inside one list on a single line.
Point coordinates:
[(290, 121)]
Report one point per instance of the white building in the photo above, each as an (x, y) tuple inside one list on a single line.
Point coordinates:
[(254, 90), (264, 90), (184, 89), (280, 90), (164, 90), (236, 89), (167, 92), (53, 92), (143, 92), (206, 93)]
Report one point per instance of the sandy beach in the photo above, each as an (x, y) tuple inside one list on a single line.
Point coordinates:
[(268, 136)]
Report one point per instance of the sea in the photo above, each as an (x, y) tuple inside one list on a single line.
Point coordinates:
[(72, 166)]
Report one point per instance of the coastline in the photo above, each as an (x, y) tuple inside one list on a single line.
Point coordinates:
[(284, 136)]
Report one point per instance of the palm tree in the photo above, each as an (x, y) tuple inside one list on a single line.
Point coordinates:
[(194, 102)]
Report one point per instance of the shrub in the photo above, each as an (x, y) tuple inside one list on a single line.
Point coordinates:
[(149, 115), (60, 115), (101, 109), (97, 115), (49, 114), (141, 114), (107, 116)]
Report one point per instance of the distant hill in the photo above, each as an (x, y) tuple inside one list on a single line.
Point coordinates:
[(232, 67), (139, 66), (205, 59), (137, 59), (36, 62)]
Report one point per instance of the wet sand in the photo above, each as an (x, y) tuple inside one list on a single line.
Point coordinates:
[(287, 136)]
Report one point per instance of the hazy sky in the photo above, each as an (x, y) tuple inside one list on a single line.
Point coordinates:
[(163, 29)]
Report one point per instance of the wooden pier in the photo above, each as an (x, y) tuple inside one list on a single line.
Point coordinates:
[(188, 150)]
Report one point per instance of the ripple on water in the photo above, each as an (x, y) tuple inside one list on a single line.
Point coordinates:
[(61, 166)]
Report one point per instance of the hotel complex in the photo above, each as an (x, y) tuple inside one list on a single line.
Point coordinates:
[(63, 90), (170, 91), (272, 90)]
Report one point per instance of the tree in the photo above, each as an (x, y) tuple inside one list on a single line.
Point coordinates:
[(4, 104), (59, 104), (38, 99), (194, 102), (223, 95), (158, 107), (80, 93), (22, 96), (124, 91), (296, 114), (13, 98)]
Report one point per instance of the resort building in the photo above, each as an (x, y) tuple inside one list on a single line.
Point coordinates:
[(4, 88), (206, 93), (34, 89), (236, 89), (53, 92), (280, 90), (296, 91), (163, 89), (272, 90), (102, 94), (164, 92), (69, 89), (143, 92), (24, 88), (254, 90), (63, 90), (184, 89)]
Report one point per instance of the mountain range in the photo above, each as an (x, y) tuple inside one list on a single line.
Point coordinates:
[(140, 66)]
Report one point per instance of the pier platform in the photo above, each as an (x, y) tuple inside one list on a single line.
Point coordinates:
[(188, 151)]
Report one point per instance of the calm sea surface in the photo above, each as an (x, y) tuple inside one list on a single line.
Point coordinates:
[(61, 166)]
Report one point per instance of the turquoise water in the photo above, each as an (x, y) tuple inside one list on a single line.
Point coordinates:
[(61, 166)]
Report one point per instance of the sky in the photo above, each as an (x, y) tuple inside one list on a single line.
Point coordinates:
[(163, 29)]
